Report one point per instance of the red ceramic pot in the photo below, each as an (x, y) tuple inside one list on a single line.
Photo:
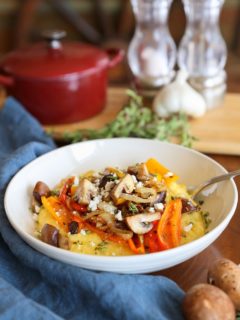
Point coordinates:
[(59, 82)]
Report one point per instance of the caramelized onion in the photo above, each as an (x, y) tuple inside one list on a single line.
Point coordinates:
[(148, 195), (111, 223), (123, 233)]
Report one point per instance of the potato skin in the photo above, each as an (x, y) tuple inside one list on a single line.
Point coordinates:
[(207, 302), (225, 274)]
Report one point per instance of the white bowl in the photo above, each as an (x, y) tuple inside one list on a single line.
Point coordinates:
[(192, 167)]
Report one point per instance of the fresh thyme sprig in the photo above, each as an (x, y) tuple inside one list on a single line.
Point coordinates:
[(136, 120)]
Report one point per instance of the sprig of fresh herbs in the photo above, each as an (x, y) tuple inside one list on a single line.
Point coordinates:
[(137, 120)]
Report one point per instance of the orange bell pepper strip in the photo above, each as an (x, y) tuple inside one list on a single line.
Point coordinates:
[(156, 168), (136, 245), (73, 189), (118, 172), (59, 212), (169, 226)]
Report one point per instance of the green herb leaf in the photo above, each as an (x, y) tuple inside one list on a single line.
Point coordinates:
[(206, 218), (132, 207), (55, 192)]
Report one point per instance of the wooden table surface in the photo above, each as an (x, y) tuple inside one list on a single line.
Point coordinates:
[(194, 270)]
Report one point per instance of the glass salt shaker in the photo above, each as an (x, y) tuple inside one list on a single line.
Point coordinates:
[(152, 51), (202, 51)]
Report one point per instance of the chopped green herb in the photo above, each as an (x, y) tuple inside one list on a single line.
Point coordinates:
[(78, 243), (137, 120), (132, 207), (238, 316), (154, 174), (37, 234), (201, 202), (206, 218), (101, 246), (55, 192)]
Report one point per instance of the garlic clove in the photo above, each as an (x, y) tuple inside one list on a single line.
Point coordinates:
[(179, 96), (193, 103)]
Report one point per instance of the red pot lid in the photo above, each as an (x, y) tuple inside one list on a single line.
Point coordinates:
[(54, 59)]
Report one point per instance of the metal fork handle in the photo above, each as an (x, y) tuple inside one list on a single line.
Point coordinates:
[(217, 179)]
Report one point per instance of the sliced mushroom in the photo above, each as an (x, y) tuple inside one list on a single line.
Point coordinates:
[(125, 184), (140, 170), (142, 223), (85, 191), (147, 195), (40, 190)]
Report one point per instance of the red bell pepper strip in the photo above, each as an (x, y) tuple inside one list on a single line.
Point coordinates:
[(136, 245), (65, 189), (151, 239), (78, 207), (169, 226)]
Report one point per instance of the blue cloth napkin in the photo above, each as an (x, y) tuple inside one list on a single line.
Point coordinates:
[(33, 286)]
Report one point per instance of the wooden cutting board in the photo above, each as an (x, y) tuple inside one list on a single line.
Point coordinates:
[(218, 131)]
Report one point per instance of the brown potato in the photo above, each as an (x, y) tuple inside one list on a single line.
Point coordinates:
[(41, 189), (207, 302), (225, 274), (50, 235)]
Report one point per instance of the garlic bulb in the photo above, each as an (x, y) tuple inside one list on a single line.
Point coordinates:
[(179, 96)]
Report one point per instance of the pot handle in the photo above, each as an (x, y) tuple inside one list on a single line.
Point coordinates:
[(115, 56), (6, 81)]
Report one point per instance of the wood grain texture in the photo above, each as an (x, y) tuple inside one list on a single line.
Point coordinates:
[(218, 131)]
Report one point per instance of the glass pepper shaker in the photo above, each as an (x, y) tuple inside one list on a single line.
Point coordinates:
[(202, 51), (152, 51)]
